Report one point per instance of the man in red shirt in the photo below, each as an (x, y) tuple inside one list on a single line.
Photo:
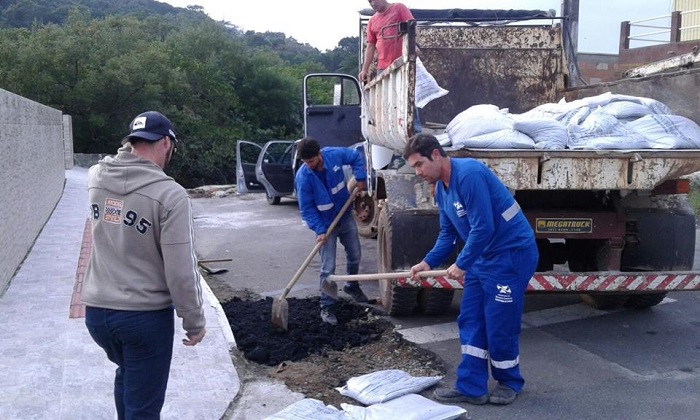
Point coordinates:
[(382, 34)]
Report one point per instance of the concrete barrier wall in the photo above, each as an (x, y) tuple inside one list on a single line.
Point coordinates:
[(32, 169)]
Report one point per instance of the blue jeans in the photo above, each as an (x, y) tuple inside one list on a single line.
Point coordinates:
[(346, 232), (140, 343)]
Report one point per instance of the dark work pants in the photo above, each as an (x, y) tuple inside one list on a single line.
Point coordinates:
[(140, 343)]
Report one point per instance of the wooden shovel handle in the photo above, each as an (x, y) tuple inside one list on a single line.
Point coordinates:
[(382, 276), (214, 260), (318, 245)]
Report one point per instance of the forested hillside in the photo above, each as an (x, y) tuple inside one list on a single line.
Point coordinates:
[(103, 62)]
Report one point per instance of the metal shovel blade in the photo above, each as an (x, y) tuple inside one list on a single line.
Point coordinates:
[(330, 288), (212, 270), (280, 307), (280, 313)]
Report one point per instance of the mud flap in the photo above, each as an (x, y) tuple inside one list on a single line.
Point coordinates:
[(666, 241)]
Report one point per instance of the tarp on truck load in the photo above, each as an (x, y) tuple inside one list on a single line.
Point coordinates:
[(606, 121), (473, 15)]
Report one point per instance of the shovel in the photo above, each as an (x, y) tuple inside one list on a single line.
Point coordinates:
[(280, 307), (208, 270), (213, 270)]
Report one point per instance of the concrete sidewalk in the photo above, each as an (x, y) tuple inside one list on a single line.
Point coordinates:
[(49, 366)]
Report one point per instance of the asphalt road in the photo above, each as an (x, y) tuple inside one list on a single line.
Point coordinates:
[(579, 363)]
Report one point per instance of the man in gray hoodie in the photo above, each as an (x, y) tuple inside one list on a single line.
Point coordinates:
[(142, 265)]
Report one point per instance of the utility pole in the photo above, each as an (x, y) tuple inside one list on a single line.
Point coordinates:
[(569, 11)]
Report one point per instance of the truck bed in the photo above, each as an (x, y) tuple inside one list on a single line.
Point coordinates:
[(585, 169), (518, 68)]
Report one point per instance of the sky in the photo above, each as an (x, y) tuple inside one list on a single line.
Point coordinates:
[(322, 23)]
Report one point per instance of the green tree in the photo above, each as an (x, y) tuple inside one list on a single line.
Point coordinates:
[(216, 83)]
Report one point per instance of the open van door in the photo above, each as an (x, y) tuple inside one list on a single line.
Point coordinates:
[(275, 169), (246, 157)]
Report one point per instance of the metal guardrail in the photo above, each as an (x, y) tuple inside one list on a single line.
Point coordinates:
[(661, 25), (643, 37)]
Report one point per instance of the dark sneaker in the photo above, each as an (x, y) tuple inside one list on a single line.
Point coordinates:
[(328, 317), (502, 395), (451, 395), (356, 293)]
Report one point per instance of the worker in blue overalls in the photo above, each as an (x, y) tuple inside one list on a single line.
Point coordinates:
[(322, 192), (498, 259)]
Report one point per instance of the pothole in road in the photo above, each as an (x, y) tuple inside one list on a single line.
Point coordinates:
[(314, 358), (263, 342)]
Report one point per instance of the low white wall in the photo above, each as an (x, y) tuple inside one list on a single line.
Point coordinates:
[(32, 169)]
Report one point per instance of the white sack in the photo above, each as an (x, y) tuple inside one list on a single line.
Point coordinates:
[(477, 120), (407, 407), (591, 101), (627, 109), (547, 133), (427, 88), (562, 108), (443, 139), (575, 116), (600, 122), (601, 130), (668, 131), (655, 106), (384, 385), (309, 408), (548, 110), (502, 139)]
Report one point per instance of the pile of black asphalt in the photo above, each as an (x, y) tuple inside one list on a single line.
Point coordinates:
[(264, 343)]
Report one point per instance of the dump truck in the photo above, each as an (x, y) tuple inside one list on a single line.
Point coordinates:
[(614, 225)]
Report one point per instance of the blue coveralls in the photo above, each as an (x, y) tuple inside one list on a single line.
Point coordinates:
[(321, 195), (499, 257)]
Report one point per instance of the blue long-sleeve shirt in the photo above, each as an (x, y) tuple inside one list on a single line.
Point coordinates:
[(479, 209), (322, 194)]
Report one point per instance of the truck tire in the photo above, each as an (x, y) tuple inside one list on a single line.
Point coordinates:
[(435, 301), (366, 215), (397, 301), (646, 300), (604, 301)]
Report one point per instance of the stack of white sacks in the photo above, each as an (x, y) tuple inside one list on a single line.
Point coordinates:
[(386, 394), (606, 121)]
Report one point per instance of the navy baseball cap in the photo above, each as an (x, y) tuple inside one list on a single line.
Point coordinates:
[(151, 126)]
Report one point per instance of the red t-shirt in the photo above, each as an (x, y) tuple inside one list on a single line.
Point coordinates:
[(388, 44)]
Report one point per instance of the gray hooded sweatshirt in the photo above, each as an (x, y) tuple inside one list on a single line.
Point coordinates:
[(143, 251)]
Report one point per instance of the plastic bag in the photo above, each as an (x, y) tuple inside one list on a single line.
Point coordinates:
[(601, 130), (407, 407), (547, 133), (384, 385), (309, 408), (668, 131), (502, 139), (478, 120), (427, 87)]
